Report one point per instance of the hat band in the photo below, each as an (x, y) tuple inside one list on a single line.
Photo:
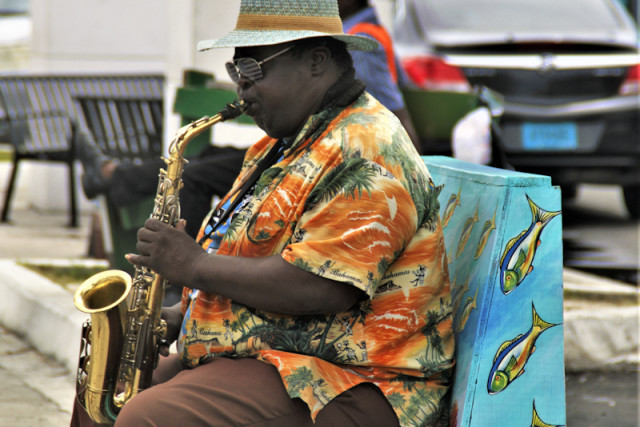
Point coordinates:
[(330, 25)]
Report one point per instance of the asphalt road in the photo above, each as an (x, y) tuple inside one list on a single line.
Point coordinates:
[(603, 398), (599, 237)]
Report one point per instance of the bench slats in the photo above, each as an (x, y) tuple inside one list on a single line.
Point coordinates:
[(35, 95), (125, 127)]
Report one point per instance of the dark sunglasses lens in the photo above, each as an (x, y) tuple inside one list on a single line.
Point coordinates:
[(249, 68), (232, 71)]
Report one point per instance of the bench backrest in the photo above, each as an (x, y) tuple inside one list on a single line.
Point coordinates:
[(39, 107), (503, 234), (125, 127)]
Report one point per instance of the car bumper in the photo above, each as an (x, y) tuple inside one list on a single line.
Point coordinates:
[(604, 107), (605, 146)]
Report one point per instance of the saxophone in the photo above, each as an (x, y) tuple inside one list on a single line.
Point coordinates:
[(119, 343)]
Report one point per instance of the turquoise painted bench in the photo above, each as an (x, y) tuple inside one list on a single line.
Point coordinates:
[(503, 232)]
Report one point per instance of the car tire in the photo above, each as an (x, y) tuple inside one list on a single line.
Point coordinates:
[(632, 200)]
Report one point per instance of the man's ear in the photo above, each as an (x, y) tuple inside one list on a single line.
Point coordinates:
[(320, 59)]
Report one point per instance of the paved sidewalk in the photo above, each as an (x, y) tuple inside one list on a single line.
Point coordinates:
[(36, 390), (37, 318)]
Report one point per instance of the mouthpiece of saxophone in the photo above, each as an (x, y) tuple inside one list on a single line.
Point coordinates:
[(233, 110)]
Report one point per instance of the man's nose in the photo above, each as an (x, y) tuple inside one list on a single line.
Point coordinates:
[(243, 81)]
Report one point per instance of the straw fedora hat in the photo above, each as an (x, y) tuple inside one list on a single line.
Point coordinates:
[(267, 22)]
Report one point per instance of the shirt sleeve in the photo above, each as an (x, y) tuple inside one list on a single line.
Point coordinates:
[(372, 68), (354, 234)]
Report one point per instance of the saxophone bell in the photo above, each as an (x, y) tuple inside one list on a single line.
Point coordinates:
[(103, 296)]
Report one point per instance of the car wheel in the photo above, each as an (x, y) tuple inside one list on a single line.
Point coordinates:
[(632, 200)]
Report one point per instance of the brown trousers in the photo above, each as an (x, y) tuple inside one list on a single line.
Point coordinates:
[(240, 392)]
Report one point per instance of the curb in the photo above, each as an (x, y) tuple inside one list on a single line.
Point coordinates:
[(41, 312), (601, 318)]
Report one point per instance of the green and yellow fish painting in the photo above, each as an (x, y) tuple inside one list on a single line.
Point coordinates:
[(517, 260), (454, 200), (509, 361), (466, 231), (537, 422), (489, 226), (469, 305), (457, 294)]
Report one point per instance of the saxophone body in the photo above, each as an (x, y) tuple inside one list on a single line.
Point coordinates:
[(119, 343)]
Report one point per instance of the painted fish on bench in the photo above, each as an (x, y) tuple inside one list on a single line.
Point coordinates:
[(469, 305), (466, 231), (537, 422), (489, 226), (517, 260), (454, 200), (512, 356)]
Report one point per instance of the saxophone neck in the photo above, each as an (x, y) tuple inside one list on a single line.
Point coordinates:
[(193, 129)]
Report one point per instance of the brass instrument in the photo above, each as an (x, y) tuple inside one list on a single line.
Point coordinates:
[(119, 344)]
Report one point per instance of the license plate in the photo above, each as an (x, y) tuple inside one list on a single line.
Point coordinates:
[(549, 136)]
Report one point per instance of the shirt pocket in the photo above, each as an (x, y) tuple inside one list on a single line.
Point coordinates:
[(277, 208)]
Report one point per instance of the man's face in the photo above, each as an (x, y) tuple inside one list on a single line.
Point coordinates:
[(279, 103)]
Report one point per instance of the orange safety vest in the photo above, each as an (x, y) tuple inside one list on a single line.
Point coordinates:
[(382, 36)]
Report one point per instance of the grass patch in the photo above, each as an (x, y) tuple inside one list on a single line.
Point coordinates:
[(6, 153), (68, 277), (615, 299)]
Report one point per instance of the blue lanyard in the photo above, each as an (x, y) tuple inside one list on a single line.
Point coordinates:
[(231, 205)]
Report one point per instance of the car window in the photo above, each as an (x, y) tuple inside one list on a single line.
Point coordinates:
[(519, 15), (15, 24), (9, 7), (520, 20)]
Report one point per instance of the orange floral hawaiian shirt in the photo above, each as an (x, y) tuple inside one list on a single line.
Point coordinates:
[(354, 203)]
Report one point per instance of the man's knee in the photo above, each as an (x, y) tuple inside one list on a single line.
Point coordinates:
[(137, 412)]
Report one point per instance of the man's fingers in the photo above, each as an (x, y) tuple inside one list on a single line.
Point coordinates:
[(143, 247), (136, 259), (181, 225), (154, 224)]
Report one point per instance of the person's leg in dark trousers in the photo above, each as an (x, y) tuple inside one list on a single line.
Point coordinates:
[(167, 368), (132, 183), (210, 174), (247, 392)]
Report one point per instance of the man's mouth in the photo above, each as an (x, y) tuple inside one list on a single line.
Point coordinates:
[(250, 108)]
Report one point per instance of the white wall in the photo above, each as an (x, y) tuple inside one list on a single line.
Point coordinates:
[(99, 35)]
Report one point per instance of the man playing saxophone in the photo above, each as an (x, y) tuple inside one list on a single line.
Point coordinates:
[(300, 301)]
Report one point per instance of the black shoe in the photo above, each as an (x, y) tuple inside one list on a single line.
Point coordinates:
[(94, 183), (92, 159)]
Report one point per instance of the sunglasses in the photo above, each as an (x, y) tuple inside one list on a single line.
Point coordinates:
[(249, 67)]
